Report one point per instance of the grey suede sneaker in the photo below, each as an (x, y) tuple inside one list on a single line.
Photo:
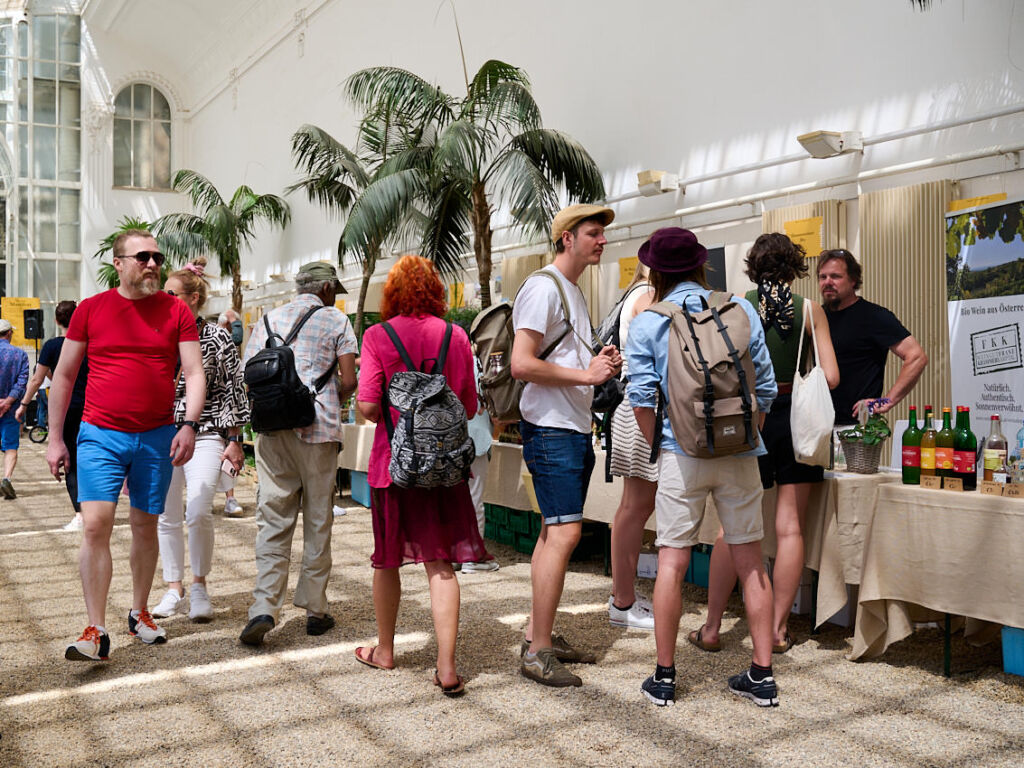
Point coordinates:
[(545, 668), (564, 652)]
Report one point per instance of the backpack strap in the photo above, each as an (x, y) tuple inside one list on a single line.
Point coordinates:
[(402, 352), (748, 422), (565, 310), (442, 355), (275, 340)]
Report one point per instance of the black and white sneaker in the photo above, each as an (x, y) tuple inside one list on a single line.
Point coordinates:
[(660, 692), (764, 693)]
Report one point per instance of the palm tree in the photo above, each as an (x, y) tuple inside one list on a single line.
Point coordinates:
[(106, 274), (485, 150), (222, 229)]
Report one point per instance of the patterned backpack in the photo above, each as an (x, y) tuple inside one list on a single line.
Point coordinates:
[(430, 444)]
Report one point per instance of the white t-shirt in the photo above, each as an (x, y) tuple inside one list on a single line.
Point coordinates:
[(539, 308)]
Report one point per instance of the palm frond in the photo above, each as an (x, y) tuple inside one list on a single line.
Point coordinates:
[(106, 275), (271, 209), (444, 237), (380, 207), (459, 150), (397, 91), (181, 234), (318, 153), (491, 74), (508, 107), (562, 160), (124, 225), (199, 188), (522, 184)]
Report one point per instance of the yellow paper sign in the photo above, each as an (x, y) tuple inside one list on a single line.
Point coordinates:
[(456, 295), (340, 304), (627, 270), (806, 232), (12, 309), (975, 202)]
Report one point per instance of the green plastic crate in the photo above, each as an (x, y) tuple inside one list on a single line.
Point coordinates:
[(496, 513), (525, 542), (519, 521), (536, 523), (505, 536)]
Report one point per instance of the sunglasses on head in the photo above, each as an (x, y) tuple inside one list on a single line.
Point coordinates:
[(143, 257)]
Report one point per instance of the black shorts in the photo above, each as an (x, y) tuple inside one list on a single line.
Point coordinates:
[(779, 465)]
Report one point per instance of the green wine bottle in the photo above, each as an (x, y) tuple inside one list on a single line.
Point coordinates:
[(912, 451)]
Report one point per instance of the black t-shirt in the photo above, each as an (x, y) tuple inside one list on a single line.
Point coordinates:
[(862, 335), (50, 354)]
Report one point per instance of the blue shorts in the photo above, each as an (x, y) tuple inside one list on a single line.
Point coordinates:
[(560, 461), (10, 432), (106, 457)]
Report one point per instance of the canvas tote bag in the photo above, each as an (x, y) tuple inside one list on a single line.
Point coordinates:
[(812, 415)]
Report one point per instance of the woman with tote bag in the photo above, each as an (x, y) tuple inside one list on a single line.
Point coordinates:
[(773, 263)]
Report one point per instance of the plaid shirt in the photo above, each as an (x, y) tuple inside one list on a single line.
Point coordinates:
[(325, 337), (13, 372)]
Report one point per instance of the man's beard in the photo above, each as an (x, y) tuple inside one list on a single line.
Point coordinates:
[(831, 304), (147, 286)]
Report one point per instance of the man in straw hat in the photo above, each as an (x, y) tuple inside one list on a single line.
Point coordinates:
[(555, 426), (676, 260)]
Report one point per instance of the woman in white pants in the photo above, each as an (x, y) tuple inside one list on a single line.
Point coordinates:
[(218, 439)]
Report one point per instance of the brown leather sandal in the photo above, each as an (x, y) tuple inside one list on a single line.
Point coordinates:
[(696, 639)]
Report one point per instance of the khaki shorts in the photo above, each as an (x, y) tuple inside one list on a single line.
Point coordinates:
[(684, 483)]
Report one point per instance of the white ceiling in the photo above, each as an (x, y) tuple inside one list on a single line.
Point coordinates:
[(195, 44)]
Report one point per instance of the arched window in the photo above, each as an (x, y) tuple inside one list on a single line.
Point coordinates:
[(142, 138)]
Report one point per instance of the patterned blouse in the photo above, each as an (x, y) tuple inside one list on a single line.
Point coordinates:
[(226, 402)]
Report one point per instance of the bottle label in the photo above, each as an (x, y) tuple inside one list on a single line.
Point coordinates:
[(943, 458), (927, 458), (994, 459), (911, 456), (963, 462)]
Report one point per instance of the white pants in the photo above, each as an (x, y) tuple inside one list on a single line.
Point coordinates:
[(202, 476), (477, 481)]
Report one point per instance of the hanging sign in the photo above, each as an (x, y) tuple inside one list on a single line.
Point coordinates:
[(627, 270), (976, 202), (12, 309), (806, 232)]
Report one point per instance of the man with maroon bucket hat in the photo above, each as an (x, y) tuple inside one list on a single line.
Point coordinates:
[(676, 260), (555, 407)]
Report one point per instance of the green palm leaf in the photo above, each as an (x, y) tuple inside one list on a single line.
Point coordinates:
[(199, 189), (563, 160)]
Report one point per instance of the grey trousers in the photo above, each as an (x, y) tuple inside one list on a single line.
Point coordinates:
[(293, 474)]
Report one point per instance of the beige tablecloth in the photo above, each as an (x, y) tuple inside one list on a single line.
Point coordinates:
[(957, 553), (356, 445)]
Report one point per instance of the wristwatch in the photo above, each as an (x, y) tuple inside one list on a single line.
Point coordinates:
[(193, 424), (234, 438)]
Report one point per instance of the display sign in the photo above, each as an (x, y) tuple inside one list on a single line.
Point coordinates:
[(985, 292), (456, 295), (976, 202), (12, 309), (627, 271), (340, 304), (806, 232)]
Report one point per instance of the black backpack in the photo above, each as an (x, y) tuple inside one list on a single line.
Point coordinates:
[(277, 396)]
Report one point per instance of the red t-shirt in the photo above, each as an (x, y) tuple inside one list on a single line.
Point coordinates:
[(133, 352)]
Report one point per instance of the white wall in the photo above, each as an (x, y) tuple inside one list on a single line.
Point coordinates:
[(684, 86)]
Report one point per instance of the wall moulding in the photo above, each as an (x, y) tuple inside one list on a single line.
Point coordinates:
[(165, 86)]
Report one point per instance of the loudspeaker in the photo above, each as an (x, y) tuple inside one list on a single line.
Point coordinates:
[(33, 327)]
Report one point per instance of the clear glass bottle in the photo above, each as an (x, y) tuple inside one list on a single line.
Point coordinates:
[(994, 456)]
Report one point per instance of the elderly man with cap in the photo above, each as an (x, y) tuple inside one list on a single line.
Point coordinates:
[(13, 379), (297, 467), (676, 261), (555, 408)]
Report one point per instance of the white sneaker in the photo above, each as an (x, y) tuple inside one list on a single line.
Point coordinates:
[(481, 567), (640, 615), (199, 609), (169, 604), (142, 626), (76, 524), (340, 511), (232, 508)]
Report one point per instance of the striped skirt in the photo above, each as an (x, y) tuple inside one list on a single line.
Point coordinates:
[(631, 455)]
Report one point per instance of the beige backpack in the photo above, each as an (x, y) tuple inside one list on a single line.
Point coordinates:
[(710, 399)]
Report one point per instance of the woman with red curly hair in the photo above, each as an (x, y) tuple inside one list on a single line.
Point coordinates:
[(436, 526)]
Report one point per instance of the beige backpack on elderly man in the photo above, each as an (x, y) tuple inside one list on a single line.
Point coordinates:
[(710, 398)]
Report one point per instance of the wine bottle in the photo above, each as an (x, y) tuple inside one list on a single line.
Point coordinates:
[(944, 446), (994, 454), (965, 449), (928, 443), (912, 451)]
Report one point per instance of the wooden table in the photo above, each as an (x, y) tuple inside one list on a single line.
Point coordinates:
[(954, 553)]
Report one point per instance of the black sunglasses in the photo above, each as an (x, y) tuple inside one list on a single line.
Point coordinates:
[(178, 293), (143, 257)]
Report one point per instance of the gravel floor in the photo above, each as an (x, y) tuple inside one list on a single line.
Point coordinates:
[(203, 699)]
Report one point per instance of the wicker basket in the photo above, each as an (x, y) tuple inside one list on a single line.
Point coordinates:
[(861, 458)]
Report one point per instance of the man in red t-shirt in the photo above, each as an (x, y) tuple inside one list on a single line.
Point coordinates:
[(134, 336)]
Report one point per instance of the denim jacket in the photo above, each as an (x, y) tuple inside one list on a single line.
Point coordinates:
[(647, 359)]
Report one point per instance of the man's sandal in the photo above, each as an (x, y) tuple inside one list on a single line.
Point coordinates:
[(696, 639)]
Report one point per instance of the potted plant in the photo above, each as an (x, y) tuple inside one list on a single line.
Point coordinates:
[(862, 444)]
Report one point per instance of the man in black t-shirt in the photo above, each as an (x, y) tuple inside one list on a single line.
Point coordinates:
[(47, 362), (863, 335)]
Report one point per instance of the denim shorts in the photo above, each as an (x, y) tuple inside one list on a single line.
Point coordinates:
[(106, 457), (560, 461), (10, 432)]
